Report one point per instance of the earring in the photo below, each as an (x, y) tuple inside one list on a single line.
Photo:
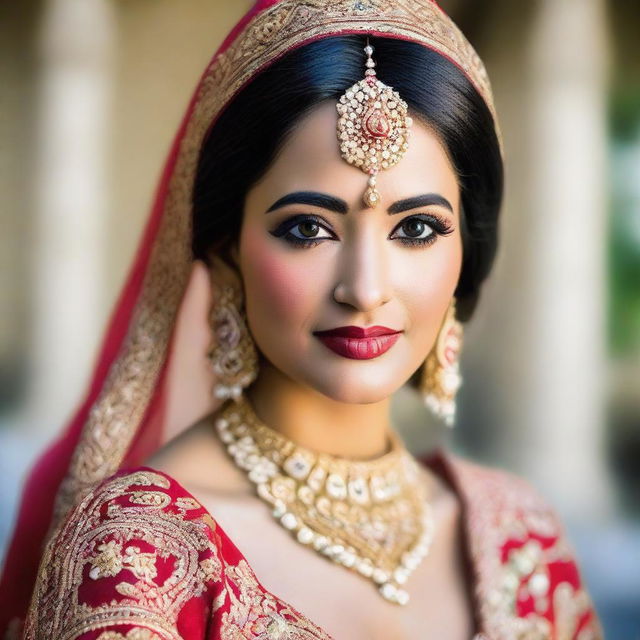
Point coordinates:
[(441, 378), (234, 358)]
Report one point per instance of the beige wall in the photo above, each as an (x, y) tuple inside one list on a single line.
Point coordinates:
[(161, 47)]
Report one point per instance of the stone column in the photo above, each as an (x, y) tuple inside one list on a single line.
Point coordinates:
[(68, 311), (536, 360), (567, 205)]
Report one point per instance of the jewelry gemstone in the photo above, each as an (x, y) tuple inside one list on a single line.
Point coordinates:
[(400, 575), (539, 584), (297, 466), (365, 568), (380, 576), (358, 490), (305, 535), (312, 494), (336, 486), (320, 542), (388, 590), (289, 521)]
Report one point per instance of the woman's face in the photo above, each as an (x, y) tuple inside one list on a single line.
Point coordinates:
[(313, 257)]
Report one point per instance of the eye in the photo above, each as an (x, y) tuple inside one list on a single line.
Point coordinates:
[(307, 230), (415, 228), (304, 231), (421, 230)]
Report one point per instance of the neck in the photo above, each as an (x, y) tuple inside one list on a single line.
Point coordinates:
[(312, 420)]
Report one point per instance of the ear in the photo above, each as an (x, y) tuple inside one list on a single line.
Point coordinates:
[(221, 273)]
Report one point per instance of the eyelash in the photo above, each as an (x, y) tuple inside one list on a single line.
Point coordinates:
[(284, 228), (440, 227)]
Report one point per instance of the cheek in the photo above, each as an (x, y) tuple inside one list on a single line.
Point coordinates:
[(275, 288), (429, 286)]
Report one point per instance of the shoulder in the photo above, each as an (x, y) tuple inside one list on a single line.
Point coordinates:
[(528, 576), (141, 559), (137, 550)]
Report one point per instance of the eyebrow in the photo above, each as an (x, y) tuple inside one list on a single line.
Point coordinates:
[(312, 198), (332, 203), (419, 201)]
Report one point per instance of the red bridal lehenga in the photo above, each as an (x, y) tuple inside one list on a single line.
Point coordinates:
[(106, 549)]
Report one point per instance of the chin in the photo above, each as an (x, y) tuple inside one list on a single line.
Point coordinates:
[(355, 390)]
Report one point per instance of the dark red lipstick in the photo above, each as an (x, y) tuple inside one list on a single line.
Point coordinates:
[(359, 343)]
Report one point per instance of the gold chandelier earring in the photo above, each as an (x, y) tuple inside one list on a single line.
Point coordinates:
[(441, 378), (233, 356)]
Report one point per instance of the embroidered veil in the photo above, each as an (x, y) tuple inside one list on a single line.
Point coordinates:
[(123, 416)]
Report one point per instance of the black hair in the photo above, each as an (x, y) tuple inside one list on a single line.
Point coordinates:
[(248, 134)]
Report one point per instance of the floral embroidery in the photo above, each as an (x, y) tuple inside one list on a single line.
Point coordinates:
[(130, 562), (108, 562), (527, 582), (187, 503), (160, 559), (256, 614), (150, 498), (141, 558)]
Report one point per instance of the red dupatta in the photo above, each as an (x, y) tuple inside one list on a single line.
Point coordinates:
[(122, 418)]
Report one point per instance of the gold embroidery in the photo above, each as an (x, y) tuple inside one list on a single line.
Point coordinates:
[(503, 507), (255, 613), (142, 565), (118, 411), (210, 569), (187, 504), (150, 498), (134, 634), (108, 562), (111, 545)]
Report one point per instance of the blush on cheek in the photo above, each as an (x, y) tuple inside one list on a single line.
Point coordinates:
[(275, 283)]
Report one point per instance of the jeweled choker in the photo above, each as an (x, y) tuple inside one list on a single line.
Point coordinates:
[(371, 517)]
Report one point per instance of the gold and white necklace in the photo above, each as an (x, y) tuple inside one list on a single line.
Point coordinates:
[(369, 516)]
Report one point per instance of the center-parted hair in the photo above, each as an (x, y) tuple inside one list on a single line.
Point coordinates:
[(246, 137)]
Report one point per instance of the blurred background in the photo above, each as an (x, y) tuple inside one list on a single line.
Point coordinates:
[(91, 94)]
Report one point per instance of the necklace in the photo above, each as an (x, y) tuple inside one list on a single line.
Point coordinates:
[(370, 516)]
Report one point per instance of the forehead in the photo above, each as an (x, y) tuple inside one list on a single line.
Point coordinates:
[(310, 160)]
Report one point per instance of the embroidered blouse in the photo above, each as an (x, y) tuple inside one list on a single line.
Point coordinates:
[(141, 559)]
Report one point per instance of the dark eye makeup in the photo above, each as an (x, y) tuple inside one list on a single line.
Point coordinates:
[(299, 230), (418, 230)]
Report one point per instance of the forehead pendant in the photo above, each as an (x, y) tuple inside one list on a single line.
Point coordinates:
[(373, 127)]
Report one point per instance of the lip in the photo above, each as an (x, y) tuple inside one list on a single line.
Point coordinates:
[(359, 343)]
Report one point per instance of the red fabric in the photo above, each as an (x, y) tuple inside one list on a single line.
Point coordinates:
[(141, 563), (143, 546)]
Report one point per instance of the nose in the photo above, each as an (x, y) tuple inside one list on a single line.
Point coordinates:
[(363, 276)]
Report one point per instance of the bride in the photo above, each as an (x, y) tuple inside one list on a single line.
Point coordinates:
[(323, 226)]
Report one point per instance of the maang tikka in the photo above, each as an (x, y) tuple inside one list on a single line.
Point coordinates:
[(233, 357), (373, 127)]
